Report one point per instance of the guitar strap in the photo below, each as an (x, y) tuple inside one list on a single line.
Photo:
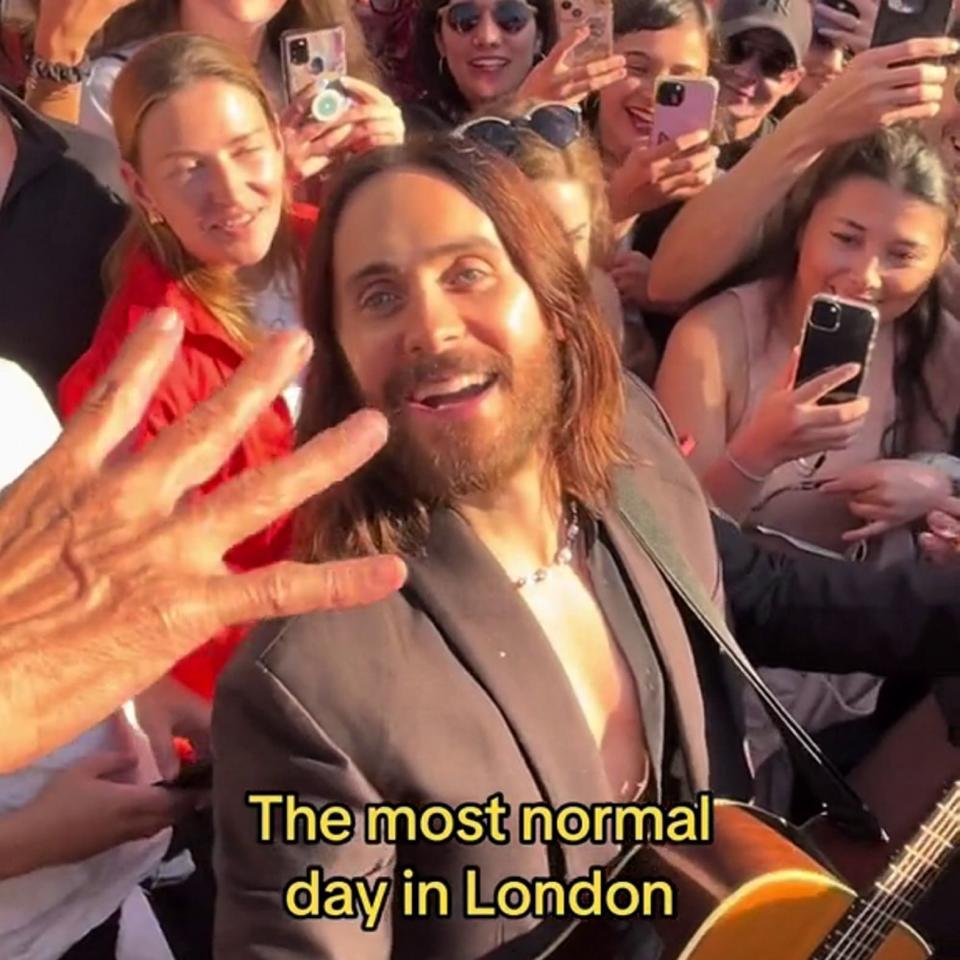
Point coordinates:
[(840, 800)]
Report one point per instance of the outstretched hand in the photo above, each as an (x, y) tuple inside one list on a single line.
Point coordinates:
[(109, 574)]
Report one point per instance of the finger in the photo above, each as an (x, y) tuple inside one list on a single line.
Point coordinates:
[(573, 91), (371, 111), (864, 510), (687, 184), (288, 589), (557, 57), (701, 159), (190, 450), (873, 529), (256, 497), (936, 550), (117, 403), (944, 525), (917, 48), (600, 68), (923, 111), (842, 416), (820, 385), (380, 129), (852, 482), (324, 136), (926, 94), (363, 91), (916, 74)]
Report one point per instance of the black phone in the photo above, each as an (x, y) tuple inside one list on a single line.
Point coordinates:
[(899, 20), (837, 331), (192, 776)]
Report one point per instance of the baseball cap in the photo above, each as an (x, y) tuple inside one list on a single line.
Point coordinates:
[(791, 19)]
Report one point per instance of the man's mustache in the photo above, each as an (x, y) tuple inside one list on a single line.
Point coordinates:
[(440, 366)]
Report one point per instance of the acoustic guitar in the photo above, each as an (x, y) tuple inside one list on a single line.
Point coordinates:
[(755, 894)]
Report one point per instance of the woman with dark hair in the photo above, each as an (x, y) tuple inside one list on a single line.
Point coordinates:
[(871, 221), (473, 52), (647, 183)]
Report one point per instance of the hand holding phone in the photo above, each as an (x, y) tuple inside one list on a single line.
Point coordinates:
[(316, 60), (594, 15), (197, 775), (837, 332), (899, 20), (576, 67)]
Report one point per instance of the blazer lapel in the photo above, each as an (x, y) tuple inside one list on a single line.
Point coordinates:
[(673, 645), (468, 596)]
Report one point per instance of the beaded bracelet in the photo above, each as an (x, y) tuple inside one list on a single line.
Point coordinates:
[(59, 72)]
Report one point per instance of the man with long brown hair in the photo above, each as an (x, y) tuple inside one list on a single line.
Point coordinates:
[(558, 638), (537, 651)]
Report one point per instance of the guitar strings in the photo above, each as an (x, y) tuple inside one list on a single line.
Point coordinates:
[(876, 919), (885, 908)]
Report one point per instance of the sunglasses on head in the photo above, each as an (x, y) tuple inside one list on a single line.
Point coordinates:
[(464, 16), (556, 123), (774, 63)]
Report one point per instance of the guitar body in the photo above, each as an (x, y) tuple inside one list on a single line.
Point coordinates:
[(752, 894)]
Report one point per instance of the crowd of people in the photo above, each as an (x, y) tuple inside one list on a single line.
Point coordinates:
[(454, 446)]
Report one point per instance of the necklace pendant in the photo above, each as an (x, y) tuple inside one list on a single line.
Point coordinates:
[(539, 575)]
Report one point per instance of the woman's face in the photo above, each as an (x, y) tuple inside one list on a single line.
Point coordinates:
[(869, 241), (626, 107), (211, 167), (570, 201), (489, 46)]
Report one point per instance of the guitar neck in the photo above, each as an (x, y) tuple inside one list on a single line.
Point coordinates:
[(918, 865)]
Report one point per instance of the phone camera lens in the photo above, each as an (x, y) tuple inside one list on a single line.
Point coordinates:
[(317, 65), (670, 94), (299, 54)]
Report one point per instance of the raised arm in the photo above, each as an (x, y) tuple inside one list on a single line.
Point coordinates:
[(720, 227)]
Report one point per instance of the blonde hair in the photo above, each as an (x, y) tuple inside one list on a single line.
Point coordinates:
[(158, 70)]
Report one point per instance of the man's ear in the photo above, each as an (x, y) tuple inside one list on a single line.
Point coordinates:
[(138, 191)]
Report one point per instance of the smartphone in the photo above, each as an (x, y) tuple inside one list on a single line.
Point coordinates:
[(595, 14), (683, 105), (899, 20), (192, 776), (837, 331), (312, 57)]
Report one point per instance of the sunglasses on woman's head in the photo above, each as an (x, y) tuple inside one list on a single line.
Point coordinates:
[(464, 16), (774, 63), (556, 123)]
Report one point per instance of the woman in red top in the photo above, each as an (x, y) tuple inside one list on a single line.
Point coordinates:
[(213, 235)]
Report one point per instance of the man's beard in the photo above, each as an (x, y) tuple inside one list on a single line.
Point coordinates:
[(447, 460)]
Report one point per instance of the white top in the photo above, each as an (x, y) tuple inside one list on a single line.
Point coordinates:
[(277, 307), (45, 912), (98, 87), (28, 427)]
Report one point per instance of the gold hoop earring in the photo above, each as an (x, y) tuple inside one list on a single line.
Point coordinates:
[(154, 218)]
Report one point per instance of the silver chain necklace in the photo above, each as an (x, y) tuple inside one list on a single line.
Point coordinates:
[(563, 556)]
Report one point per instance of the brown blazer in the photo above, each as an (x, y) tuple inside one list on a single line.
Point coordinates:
[(447, 691)]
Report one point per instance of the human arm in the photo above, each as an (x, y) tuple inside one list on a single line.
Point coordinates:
[(812, 613), (64, 31), (109, 575), (266, 740), (722, 224)]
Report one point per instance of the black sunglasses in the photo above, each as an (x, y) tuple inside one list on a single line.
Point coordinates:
[(464, 16), (557, 123), (773, 63)]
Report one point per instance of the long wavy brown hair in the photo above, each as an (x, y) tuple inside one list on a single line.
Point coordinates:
[(376, 510), (157, 70), (144, 19)]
